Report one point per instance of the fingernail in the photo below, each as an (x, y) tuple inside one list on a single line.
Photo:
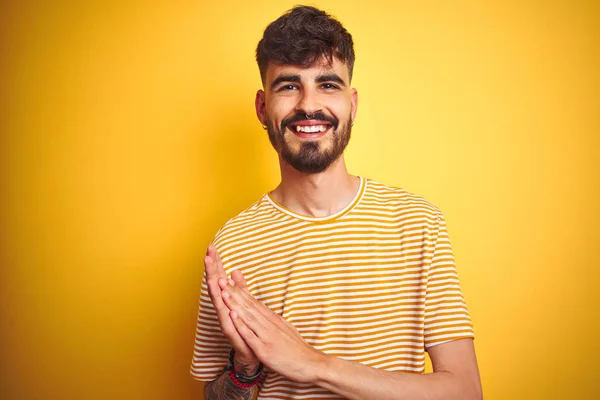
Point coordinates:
[(225, 293)]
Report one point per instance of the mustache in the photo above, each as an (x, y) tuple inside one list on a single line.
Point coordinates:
[(301, 116)]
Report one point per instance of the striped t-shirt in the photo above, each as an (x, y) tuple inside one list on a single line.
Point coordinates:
[(374, 283)]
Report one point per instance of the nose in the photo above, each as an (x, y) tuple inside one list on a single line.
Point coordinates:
[(308, 102)]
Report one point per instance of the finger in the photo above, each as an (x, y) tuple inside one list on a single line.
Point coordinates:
[(218, 264), (226, 283), (214, 291), (220, 307), (210, 268), (218, 258), (246, 333), (239, 279), (244, 297), (225, 322), (214, 269), (247, 310)]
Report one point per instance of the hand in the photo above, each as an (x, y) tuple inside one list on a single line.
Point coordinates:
[(274, 340), (244, 356)]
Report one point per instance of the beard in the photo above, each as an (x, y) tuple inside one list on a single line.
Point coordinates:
[(311, 157)]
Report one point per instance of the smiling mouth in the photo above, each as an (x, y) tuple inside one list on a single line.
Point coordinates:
[(311, 130)]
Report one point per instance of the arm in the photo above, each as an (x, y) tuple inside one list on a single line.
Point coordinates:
[(280, 347), (455, 376)]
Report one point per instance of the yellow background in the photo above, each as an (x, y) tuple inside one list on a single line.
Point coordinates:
[(128, 137)]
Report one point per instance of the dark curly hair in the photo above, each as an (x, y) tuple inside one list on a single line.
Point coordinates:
[(301, 36)]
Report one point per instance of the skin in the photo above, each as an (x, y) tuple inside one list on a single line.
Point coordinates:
[(260, 334), (330, 191), (224, 388), (244, 361)]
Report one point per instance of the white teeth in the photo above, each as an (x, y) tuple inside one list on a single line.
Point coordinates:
[(311, 128)]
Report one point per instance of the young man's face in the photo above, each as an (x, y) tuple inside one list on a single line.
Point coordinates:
[(308, 112)]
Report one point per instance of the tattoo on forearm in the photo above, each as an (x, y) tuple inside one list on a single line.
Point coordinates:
[(223, 388)]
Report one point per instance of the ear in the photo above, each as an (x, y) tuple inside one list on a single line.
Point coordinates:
[(354, 103), (259, 104)]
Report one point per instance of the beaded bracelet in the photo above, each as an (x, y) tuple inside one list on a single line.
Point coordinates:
[(240, 384), (242, 380)]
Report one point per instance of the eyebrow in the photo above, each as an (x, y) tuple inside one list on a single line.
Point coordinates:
[(331, 78), (285, 78)]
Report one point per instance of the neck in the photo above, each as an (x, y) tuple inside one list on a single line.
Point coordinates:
[(316, 195)]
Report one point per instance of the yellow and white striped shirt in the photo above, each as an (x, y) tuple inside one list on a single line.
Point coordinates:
[(375, 283)]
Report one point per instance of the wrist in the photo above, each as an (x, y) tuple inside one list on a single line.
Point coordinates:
[(325, 368), (244, 365), (243, 375)]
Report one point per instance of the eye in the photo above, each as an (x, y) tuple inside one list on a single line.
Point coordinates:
[(286, 88), (329, 86)]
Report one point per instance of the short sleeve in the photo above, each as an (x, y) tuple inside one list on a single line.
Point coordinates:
[(211, 347), (446, 314)]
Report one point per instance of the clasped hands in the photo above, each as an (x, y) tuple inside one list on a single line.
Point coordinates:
[(255, 332)]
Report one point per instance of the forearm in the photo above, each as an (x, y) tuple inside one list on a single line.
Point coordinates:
[(278, 344), (358, 382), (223, 388)]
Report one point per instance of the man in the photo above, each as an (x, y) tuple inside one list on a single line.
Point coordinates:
[(331, 285)]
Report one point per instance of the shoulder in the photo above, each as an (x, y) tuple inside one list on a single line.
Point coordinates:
[(259, 216), (398, 200)]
